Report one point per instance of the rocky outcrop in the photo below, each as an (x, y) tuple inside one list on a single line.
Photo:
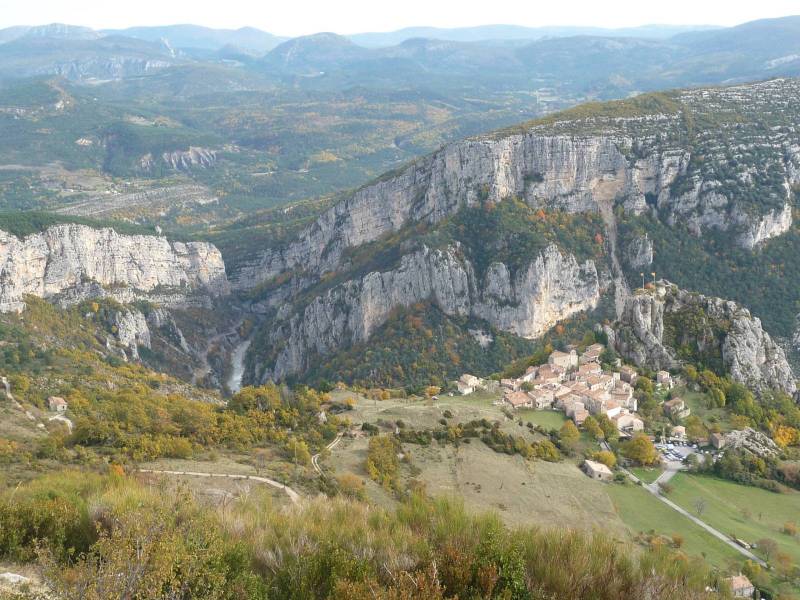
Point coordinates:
[(752, 441), (131, 330), (104, 67), (638, 253), (186, 160), (654, 321), (528, 303), (796, 336), (639, 333), (770, 225), (73, 260)]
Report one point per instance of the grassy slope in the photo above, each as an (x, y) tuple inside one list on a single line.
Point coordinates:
[(646, 474), (643, 512), (746, 512), (521, 492)]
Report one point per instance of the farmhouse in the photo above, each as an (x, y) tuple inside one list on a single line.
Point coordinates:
[(741, 586), (597, 470), (57, 404), (518, 400)]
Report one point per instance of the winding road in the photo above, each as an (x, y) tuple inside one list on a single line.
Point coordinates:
[(293, 496), (315, 458)]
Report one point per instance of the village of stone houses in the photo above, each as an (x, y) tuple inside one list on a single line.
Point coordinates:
[(577, 385)]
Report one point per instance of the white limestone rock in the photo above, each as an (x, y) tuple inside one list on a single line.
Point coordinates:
[(748, 353), (551, 288), (66, 258), (131, 331), (638, 254), (570, 173)]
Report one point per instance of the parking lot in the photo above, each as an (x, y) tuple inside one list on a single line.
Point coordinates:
[(677, 452)]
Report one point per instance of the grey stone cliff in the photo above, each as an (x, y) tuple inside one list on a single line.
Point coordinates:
[(638, 254), (552, 287), (131, 331), (569, 173), (66, 259), (748, 353)]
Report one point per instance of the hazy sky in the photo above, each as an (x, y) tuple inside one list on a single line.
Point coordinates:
[(298, 17)]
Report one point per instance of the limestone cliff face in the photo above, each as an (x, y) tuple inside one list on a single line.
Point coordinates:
[(562, 172), (552, 287), (75, 260), (747, 352), (702, 208), (770, 225), (574, 173)]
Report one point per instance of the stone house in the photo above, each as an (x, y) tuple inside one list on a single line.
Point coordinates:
[(509, 384), (741, 586), (678, 432), (717, 440), (676, 408), (597, 470), (588, 369), (463, 388), (530, 374), (57, 404), (579, 415), (542, 398), (518, 400), (628, 374), (627, 422), (470, 380), (591, 354), (565, 360), (664, 379)]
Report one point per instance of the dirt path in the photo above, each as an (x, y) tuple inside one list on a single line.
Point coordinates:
[(293, 496), (315, 458), (28, 414)]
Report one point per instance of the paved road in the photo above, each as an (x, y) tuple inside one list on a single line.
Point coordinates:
[(315, 458), (654, 489), (293, 496)]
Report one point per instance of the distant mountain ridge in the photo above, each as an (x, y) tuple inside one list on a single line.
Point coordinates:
[(594, 62), (483, 33)]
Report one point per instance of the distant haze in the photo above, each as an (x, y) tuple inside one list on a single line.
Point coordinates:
[(355, 16)]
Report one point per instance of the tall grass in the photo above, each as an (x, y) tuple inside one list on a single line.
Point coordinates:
[(159, 542)]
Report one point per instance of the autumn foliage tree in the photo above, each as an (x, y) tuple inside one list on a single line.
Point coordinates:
[(640, 450)]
